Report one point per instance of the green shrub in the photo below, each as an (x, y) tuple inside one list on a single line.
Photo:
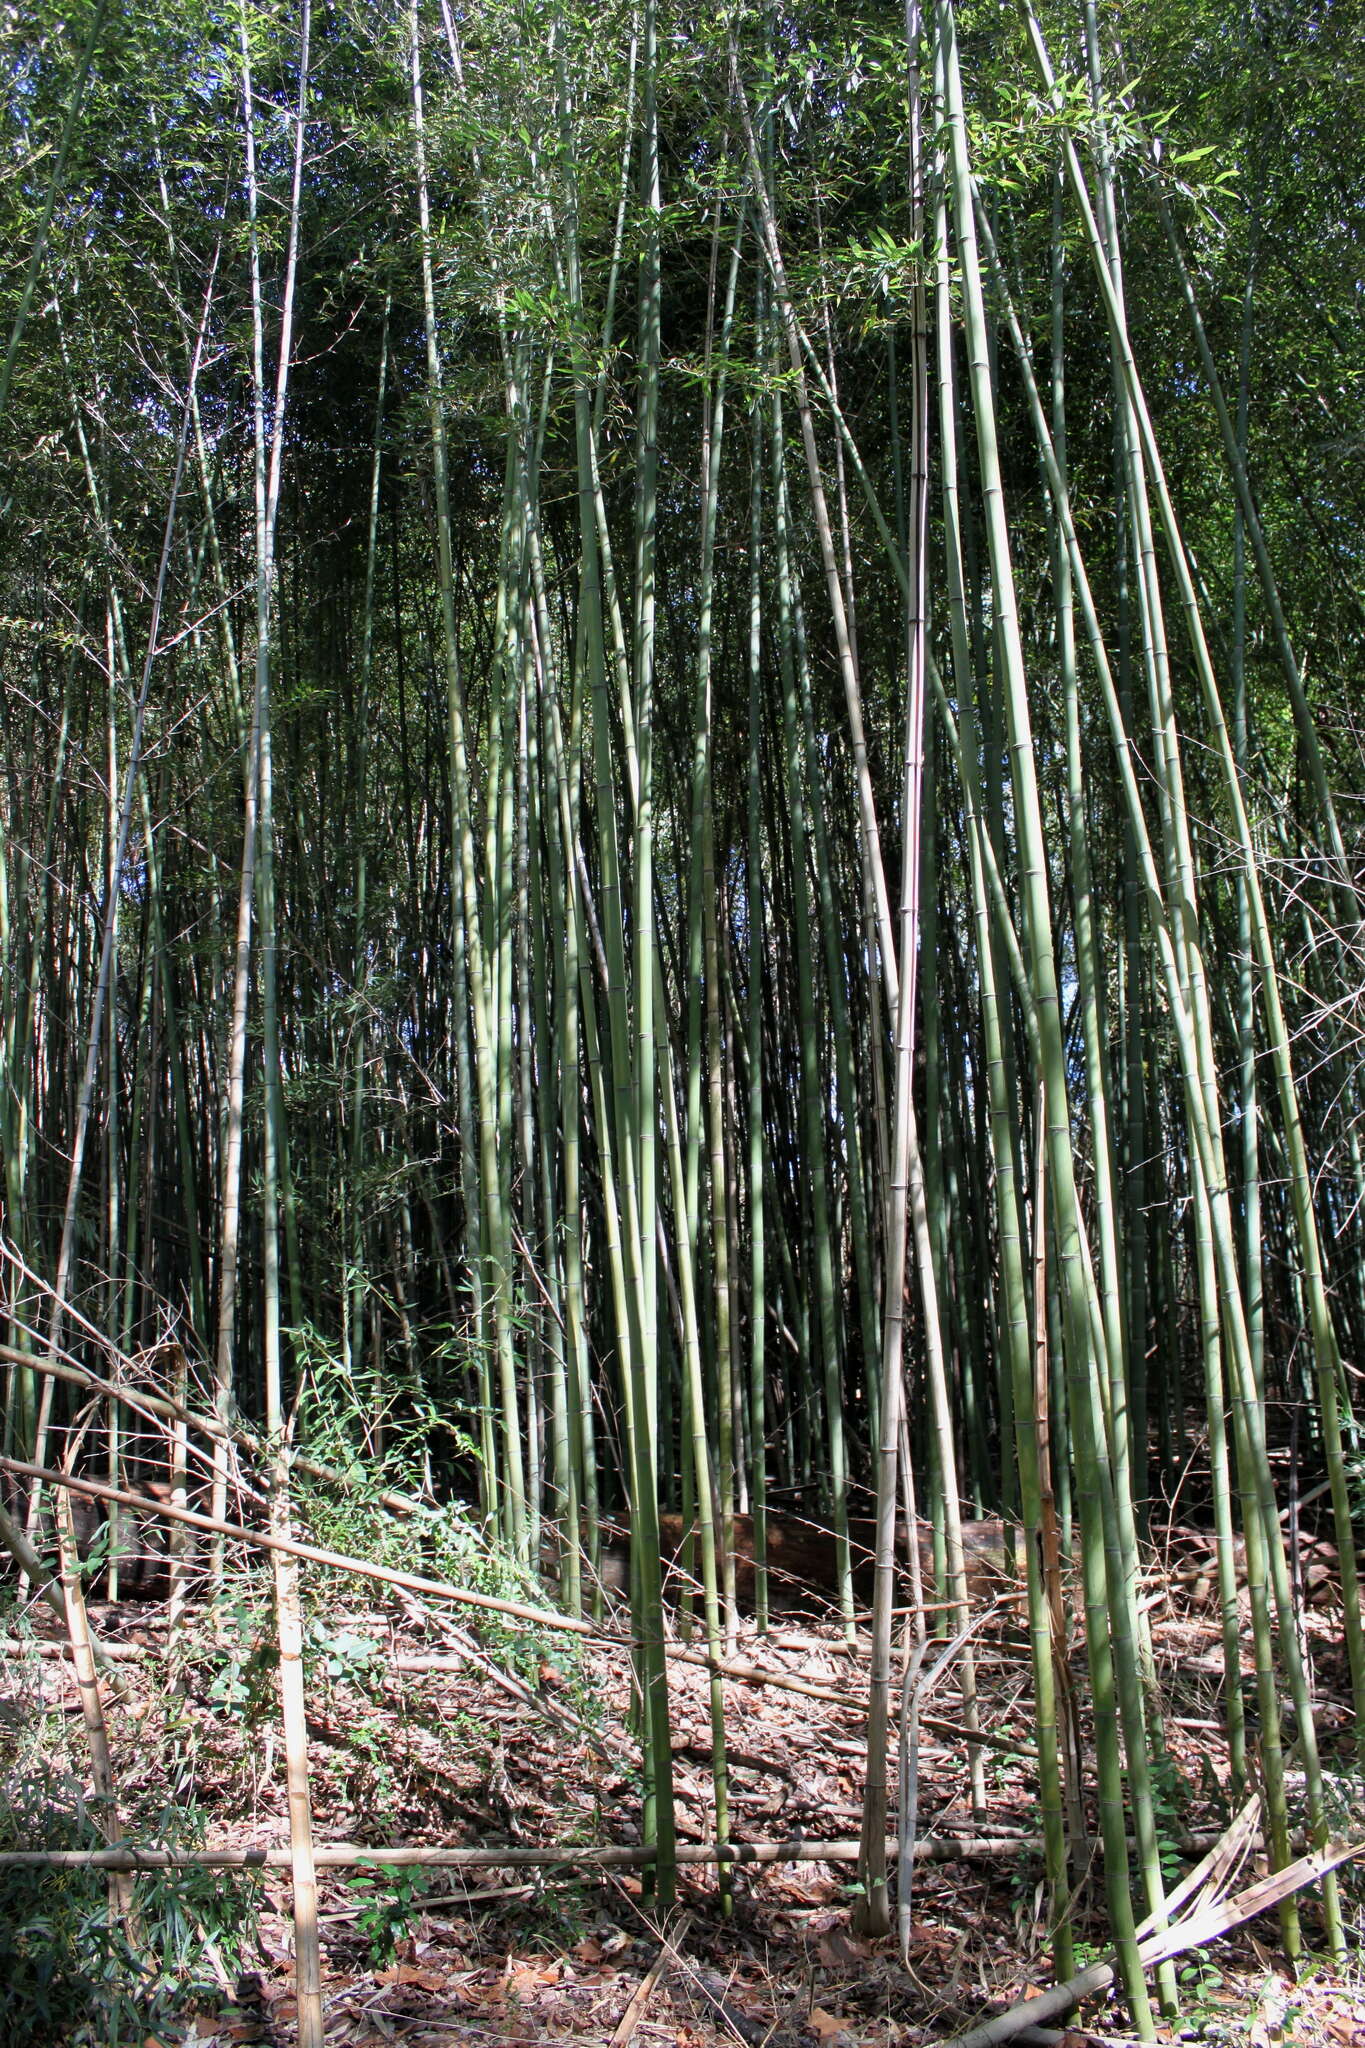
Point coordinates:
[(68, 1971)]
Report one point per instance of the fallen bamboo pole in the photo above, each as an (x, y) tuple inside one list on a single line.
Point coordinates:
[(351, 1855), (1204, 1923), (310, 1553), (613, 1856)]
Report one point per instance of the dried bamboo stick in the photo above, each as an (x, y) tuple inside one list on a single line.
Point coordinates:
[(521, 1856)]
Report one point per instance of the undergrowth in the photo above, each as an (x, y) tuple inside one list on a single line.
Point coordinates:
[(70, 1968)]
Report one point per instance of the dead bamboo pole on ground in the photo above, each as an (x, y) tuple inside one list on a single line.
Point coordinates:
[(523, 1856)]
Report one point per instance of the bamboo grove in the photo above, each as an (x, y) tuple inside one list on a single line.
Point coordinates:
[(681, 790)]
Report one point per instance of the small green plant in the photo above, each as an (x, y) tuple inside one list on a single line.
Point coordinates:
[(243, 1659), (1201, 1984), (347, 1410), (56, 1944), (190, 1916), (1170, 1799), (556, 1919), (1088, 1952), (1028, 1895), (345, 1655), (387, 1900)]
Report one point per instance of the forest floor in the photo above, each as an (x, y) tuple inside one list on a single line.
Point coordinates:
[(418, 1736)]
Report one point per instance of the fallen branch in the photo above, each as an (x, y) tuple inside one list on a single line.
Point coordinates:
[(1211, 1921), (104, 1805), (472, 1652), (311, 1553), (1203, 1925), (42, 1646), (649, 1984), (420, 1662), (613, 1856)]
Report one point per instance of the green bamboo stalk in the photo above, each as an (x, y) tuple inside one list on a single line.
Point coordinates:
[(554, 1109), (1037, 920), (1013, 1294), (812, 1085), (659, 1823), (874, 1908), (754, 894), (467, 918), (354, 1284), (704, 951), (702, 1480), (1327, 1361)]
